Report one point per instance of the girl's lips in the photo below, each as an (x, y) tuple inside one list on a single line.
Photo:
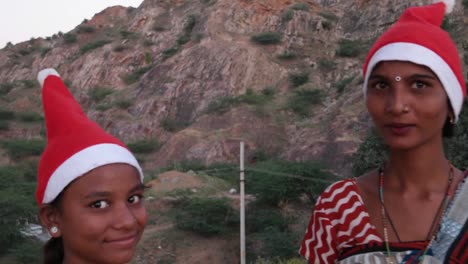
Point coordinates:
[(124, 242)]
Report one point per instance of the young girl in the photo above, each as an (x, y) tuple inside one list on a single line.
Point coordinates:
[(90, 187), (413, 208)]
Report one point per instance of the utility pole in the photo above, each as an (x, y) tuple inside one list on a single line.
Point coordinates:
[(242, 205)]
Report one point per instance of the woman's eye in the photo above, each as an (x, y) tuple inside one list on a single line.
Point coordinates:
[(419, 85), (135, 199), (100, 204), (379, 85)]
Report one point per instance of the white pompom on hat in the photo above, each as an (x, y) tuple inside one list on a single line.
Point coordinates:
[(417, 37), (75, 144)]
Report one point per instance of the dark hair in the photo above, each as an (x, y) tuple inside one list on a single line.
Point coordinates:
[(53, 249), (448, 130)]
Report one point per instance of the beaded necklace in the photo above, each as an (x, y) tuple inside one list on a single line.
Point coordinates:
[(435, 223)]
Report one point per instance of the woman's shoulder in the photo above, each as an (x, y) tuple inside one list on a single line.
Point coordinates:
[(338, 191)]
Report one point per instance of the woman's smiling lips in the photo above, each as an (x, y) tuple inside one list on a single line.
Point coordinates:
[(400, 129)]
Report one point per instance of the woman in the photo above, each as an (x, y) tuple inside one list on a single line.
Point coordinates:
[(413, 208), (90, 187)]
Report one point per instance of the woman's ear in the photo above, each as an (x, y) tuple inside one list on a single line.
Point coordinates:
[(50, 219)]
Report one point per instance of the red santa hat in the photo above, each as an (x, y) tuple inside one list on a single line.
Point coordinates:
[(417, 37), (75, 144)]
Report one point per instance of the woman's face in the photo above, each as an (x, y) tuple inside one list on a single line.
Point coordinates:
[(101, 215), (407, 103)]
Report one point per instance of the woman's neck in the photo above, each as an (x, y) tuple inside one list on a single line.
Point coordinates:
[(423, 169)]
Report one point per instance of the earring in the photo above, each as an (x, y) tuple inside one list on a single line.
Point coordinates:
[(397, 78), (405, 109), (452, 120), (54, 229)]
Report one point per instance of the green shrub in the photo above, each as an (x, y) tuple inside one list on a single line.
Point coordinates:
[(300, 6), (172, 125), (260, 218), (44, 51), (448, 25), (98, 94), (465, 4), (183, 39), (148, 57), (128, 34), (21, 148), (287, 15), (327, 65), (136, 75), (93, 45), (86, 29), (69, 38), (206, 216), (294, 179), (144, 146), (287, 55), (29, 83), (4, 125), (28, 251), (6, 115), (298, 79), (349, 48), (190, 23), (30, 116), (103, 107), (17, 205), (6, 88), (123, 103), (302, 99), (329, 16), (340, 85), (277, 244), (169, 52), (119, 48), (222, 105), (266, 38), (370, 155)]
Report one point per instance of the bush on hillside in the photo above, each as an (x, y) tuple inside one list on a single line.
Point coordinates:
[(21, 148), (93, 45), (144, 146), (276, 181), (206, 216), (266, 38), (302, 99), (30, 116), (69, 38), (98, 94), (298, 79), (349, 48)]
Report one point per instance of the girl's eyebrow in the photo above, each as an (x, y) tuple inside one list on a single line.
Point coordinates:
[(103, 194)]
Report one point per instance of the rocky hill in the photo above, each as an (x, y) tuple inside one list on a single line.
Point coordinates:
[(195, 77)]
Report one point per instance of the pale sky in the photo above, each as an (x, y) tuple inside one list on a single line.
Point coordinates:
[(20, 20)]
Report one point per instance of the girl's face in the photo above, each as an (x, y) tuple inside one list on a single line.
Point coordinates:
[(101, 216), (407, 103)]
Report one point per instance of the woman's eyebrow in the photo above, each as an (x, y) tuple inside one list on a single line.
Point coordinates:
[(377, 76), (424, 76)]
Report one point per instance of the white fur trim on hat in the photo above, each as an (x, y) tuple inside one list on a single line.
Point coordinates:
[(449, 5), (423, 56), (84, 161), (43, 74)]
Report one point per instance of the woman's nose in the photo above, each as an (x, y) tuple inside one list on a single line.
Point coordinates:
[(397, 102)]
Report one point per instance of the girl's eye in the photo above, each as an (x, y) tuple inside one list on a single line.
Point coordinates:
[(100, 204), (135, 199)]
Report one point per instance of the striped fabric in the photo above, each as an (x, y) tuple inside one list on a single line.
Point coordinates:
[(340, 231), (339, 221)]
